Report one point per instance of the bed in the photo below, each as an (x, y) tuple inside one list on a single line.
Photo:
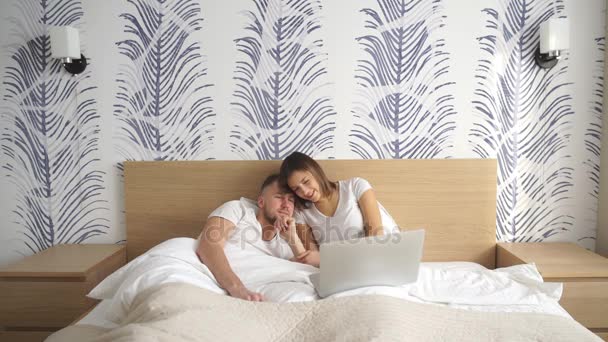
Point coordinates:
[(458, 296)]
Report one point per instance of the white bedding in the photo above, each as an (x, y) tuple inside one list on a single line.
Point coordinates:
[(97, 316), (461, 285)]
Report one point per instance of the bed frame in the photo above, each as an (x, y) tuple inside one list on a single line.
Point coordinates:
[(453, 199)]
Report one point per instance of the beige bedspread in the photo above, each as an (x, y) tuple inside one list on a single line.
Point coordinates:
[(181, 312)]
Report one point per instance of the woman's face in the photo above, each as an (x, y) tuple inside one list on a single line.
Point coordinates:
[(304, 185)]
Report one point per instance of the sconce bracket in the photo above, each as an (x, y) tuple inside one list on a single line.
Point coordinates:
[(544, 60), (76, 66)]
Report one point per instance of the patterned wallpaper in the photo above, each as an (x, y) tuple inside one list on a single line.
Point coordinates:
[(258, 79)]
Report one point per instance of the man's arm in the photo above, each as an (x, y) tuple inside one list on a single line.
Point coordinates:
[(210, 251), (311, 255), (290, 234)]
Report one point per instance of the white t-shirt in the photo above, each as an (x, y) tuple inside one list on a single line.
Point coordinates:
[(347, 221), (247, 233)]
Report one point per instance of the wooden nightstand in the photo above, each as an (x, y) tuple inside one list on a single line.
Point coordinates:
[(47, 291), (584, 274)]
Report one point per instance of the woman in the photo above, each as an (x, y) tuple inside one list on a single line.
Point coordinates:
[(331, 211)]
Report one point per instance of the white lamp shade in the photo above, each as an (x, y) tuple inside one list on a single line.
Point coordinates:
[(65, 42), (555, 35)]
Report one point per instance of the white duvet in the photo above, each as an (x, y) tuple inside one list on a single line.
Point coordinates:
[(181, 312), (456, 284)]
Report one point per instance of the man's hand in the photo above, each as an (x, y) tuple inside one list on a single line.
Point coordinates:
[(286, 227), (310, 257), (242, 293)]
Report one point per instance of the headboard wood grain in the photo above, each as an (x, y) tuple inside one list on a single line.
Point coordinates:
[(453, 199)]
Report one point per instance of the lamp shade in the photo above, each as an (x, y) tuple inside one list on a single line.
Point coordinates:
[(65, 42), (554, 35)]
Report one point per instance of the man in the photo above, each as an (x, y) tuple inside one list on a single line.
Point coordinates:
[(267, 227)]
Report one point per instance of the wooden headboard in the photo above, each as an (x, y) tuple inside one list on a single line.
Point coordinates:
[(453, 199)]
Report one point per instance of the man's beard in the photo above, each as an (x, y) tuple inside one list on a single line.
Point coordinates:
[(269, 217)]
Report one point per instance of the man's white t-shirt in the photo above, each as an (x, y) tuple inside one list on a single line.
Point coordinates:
[(247, 233), (347, 221)]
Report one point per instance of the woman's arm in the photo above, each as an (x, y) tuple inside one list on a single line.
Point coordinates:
[(308, 239), (371, 213)]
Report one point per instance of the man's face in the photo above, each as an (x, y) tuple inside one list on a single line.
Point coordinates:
[(274, 202)]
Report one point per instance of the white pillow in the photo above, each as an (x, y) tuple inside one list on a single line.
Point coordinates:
[(178, 248)]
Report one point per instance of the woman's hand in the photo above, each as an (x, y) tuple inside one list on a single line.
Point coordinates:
[(310, 257)]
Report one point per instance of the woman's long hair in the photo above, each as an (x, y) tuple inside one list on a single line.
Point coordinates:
[(298, 161)]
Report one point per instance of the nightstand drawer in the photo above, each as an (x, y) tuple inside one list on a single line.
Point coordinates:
[(24, 336), (43, 304), (47, 291), (583, 273), (587, 302)]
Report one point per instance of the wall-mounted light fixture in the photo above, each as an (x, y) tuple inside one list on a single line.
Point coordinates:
[(554, 39), (65, 45)]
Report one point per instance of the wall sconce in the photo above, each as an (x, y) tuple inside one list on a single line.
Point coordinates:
[(65, 45), (554, 38)]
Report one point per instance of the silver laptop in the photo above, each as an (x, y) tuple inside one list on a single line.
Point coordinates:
[(391, 260)]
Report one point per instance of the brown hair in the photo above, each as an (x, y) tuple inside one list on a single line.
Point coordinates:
[(298, 161), (270, 180)]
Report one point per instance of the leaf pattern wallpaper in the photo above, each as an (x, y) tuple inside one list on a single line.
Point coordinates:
[(592, 137), (259, 79), (279, 98), (50, 135), (525, 119), (162, 109), (405, 108)]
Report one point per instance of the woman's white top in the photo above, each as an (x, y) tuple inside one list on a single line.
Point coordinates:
[(347, 221)]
